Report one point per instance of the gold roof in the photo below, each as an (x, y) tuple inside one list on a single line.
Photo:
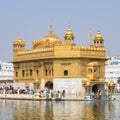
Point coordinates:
[(48, 40)]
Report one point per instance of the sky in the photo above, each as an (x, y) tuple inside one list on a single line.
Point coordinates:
[(32, 19)]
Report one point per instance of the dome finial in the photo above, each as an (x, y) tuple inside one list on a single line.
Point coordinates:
[(98, 28), (19, 38), (51, 31), (68, 24)]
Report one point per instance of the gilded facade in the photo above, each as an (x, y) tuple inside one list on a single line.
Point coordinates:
[(52, 59)]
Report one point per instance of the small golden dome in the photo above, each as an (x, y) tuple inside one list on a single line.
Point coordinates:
[(99, 41), (98, 36), (48, 40), (19, 42), (69, 34)]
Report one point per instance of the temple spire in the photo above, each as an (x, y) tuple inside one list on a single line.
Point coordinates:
[(90, 37), (69, 25), (50, 31), (98, 28), (19, 38)]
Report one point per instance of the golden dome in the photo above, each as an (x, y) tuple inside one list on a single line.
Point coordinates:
[(19, 42), (98, 36), (48, 40), (99, 41), (69, 34)]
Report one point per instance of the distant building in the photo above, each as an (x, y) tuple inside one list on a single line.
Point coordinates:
[(112, 69), (6, 72)]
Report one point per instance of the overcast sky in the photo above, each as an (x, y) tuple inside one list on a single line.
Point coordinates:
[(32, 18)]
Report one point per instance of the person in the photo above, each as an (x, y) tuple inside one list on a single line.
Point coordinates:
[(98, 95), (58, 94), (63, 93)]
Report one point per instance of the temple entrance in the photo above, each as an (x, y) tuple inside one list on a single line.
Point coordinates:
[(94, 89), (49, 85)]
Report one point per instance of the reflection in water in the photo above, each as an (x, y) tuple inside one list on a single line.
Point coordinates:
[(59, 110)]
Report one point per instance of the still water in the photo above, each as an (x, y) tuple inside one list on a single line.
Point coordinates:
[(59, 110)]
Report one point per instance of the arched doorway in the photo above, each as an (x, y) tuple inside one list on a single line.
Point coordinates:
[(49, 85), (94, 89)]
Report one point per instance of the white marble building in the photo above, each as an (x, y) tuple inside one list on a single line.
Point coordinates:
[(6, 72), (112, 69)]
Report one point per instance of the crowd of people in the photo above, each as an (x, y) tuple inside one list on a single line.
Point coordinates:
[(47, 93)]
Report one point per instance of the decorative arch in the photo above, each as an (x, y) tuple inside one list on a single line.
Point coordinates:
[(94, 88), (49, 85)]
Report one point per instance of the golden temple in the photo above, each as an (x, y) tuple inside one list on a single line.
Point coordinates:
[(54, 60)]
